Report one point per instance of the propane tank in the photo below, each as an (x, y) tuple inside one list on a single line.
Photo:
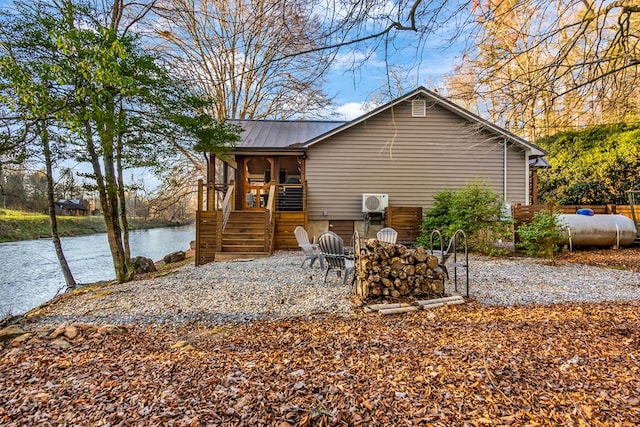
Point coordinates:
[(597, 230)]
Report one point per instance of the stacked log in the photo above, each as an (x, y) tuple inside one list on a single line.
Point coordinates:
[(390, 270)]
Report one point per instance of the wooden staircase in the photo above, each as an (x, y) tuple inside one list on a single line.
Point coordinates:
[(247, 235)]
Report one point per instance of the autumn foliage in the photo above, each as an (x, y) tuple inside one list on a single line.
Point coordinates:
[(574, 364)]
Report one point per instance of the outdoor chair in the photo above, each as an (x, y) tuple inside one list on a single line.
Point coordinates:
[(388, 235), (311, 250), (332, 248)]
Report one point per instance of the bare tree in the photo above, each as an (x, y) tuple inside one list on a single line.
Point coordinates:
[(247, 56), (547, 66)]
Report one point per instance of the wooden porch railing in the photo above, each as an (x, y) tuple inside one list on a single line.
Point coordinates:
[(290, 197), (227, 204), (270, 220), (271, 201)]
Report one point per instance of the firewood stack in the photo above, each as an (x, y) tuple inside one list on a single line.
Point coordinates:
[(390, 270)]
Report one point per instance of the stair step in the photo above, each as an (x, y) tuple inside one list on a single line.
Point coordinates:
[(240, 232), (227, 256), (226, 239), (245, 234), (242, 244), (244, 228), (246, 214), (243, 248)]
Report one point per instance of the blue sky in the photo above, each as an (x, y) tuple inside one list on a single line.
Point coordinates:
[(424, 62), (352, 89), (417, 59)]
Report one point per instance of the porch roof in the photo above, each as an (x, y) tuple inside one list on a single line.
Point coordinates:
[(269, 134)]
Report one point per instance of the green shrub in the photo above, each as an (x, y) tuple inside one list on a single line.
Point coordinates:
[(541, 236), (474, 208)]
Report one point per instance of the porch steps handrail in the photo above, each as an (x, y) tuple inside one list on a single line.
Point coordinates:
[(271, 201), (226, 206)]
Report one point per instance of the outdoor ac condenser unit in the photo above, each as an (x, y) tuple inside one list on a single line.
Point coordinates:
[(374, 202)]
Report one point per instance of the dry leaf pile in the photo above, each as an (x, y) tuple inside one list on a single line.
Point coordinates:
[(575, 365), (623, 258)]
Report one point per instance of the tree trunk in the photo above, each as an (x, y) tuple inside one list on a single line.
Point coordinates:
[(121, 196), (55, 237), (108, 202)]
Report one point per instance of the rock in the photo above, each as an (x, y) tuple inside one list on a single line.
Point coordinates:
[(70, 332), (110, 330), (192, 245), (143, 265), (87, 327), (10, 332), (21, 339), (57, 332), (60, 343), (174, 257)]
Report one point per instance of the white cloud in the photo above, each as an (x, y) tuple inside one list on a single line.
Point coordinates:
[(356, 59), (350, 110)]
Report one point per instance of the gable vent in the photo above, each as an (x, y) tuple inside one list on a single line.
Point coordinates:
[(418, 108)]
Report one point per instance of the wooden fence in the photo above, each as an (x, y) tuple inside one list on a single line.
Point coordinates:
[(406, 221), (524, 213)]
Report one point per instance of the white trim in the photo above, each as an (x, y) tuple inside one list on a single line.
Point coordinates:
[(527, 190), (504, 169)]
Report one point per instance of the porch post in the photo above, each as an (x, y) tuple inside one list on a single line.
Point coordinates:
[(534, 186), (211, 185)]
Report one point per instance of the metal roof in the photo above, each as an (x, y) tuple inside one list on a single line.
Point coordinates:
[(281, 133), (539, 163)]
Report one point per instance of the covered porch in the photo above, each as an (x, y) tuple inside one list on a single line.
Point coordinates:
[(250, 204)]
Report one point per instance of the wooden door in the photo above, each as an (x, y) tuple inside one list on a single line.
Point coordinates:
[(343, 229)]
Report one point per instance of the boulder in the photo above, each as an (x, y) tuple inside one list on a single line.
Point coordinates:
[(60, 343), (10, 332), (174, 257), (143, 265)]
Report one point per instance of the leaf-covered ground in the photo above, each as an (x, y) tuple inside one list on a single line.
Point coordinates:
[(624, 258), (575, 365)]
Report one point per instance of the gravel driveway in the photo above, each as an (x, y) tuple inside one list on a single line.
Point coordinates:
[(241, 291)]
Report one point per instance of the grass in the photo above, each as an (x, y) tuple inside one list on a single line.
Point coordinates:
[(18, 225)]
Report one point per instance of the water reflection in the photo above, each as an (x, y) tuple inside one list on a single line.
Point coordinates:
[(31, 274)]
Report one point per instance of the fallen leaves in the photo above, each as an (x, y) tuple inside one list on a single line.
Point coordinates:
[(470, 365), (623, 258)]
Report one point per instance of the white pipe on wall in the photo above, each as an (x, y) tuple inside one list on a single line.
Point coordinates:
[(504, 189)]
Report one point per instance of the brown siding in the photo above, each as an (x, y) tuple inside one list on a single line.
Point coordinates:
[(516, 175), (409, 158)]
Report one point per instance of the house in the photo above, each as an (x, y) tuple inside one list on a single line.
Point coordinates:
[(341, 175), (70, 208)]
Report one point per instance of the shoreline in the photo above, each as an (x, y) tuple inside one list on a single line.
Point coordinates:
[(17, 226), (162, 270)]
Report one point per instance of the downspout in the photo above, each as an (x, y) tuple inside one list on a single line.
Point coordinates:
[(526, 177), (206, 187), (504, 168)]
